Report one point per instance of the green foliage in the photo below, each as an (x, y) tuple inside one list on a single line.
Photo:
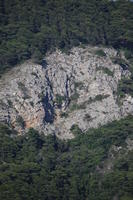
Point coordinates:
[(29, 28), (125, 86), (59, 99), (108, 72), (43, 167), (76, 106), (100, 97), (100, 53), (78, 85), (75, 129), (128, 54)]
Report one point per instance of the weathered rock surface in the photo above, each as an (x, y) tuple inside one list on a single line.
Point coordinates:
[(79, 88)]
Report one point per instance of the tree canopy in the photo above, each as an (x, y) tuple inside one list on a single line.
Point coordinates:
[(96, 165), (30, 28)]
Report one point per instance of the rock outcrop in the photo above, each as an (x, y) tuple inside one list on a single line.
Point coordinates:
[(79, 88)]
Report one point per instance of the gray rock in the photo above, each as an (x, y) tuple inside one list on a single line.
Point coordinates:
[(82, 86)]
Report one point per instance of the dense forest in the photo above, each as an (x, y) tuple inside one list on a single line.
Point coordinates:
[(29, 28), (93, 166)]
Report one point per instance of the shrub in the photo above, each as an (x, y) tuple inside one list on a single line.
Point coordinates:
[(125, 86), (100, 97), (23, 88), (128, 54), (100, 53), (77, 106), (59, 99), (75, 129), (75, 96), (120, 62), (10, 103), (32, 103), (78, 85), (107, 71), (87, 117), (64, 114), (20, 121)]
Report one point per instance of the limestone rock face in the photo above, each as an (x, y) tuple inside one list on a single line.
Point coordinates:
[(79, 88)]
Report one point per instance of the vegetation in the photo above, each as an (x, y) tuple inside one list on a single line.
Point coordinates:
[(76, 106), (87, 117), (100, 53), (28, 29), (128, 54), (59, 100), (64, 114), (125, 87), (24, 90), (98, 97), (75, 96), (20, 121), (78, 85), (106, 71), (121, 62), (75, 130), (43, 167)]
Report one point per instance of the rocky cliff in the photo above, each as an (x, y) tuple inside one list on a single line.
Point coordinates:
[(77, 88)]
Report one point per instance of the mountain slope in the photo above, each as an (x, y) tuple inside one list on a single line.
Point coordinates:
[(95, 166), (82, 88)]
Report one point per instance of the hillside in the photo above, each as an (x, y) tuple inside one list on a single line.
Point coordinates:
[(84, 88), (96, 165), (66, 100), (31, 28)]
